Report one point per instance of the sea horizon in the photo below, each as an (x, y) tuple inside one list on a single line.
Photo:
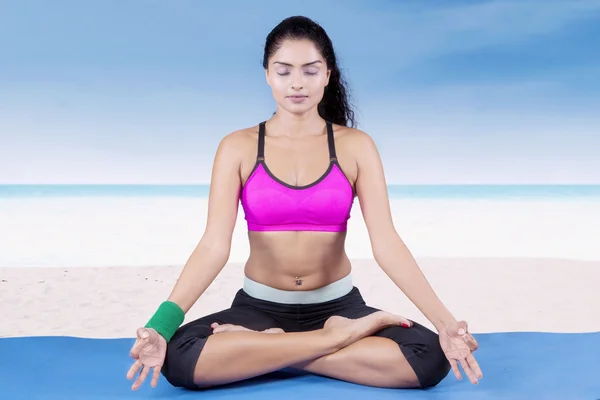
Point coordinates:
[(397, 191)]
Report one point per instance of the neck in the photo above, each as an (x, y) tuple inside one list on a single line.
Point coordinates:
[(287, 124)]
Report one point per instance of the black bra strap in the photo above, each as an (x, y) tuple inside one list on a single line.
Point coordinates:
[(331, 142), (261, 142)]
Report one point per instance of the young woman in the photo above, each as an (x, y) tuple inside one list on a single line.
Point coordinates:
[(297, 175)]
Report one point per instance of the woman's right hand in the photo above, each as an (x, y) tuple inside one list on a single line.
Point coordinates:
[(148, 351)]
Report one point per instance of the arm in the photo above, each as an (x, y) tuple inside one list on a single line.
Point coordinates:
[(212, 252), (389, 250)]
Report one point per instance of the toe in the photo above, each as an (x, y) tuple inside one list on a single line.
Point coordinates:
[(274, 330)]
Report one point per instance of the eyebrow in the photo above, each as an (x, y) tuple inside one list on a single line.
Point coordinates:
[(304, 65)]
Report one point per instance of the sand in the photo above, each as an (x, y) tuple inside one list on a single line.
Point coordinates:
[(492, 294)]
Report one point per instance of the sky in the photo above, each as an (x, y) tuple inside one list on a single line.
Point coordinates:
[(142, 91)]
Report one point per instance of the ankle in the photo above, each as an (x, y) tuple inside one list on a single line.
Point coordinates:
[(380, 320), (335, 339)]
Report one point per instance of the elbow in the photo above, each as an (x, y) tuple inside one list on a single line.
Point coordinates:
[(388, 248), (381, 255), (214, 249)]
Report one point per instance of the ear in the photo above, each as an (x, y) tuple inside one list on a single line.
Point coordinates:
[(267, 77), (327, 77)]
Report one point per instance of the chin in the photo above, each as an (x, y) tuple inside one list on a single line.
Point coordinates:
[(299, 109)]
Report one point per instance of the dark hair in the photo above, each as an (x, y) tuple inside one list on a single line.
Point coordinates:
[(334, 106)]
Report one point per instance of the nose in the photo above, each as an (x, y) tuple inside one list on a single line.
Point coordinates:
[(297, 80)]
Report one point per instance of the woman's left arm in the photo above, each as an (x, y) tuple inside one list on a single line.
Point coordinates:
[(389, 250)]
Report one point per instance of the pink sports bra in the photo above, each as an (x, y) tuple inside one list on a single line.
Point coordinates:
[(273, 205)]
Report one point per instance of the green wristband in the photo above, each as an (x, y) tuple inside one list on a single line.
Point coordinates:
[(167, 319)]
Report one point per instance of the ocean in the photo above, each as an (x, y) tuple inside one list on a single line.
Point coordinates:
[(475, 191)]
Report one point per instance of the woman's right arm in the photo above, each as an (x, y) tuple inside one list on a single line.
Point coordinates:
[(212, 251), (202, 267)]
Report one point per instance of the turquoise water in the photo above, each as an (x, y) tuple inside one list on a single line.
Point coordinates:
[(395, 191)]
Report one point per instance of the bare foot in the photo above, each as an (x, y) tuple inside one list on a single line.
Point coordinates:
[(218, 328), (351, 330)]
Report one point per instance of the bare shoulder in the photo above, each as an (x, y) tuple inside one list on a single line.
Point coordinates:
[(238, 148), (354, 142), (239, 141)]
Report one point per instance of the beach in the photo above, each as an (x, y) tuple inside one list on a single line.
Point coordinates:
[(99, 267), (492, 294)]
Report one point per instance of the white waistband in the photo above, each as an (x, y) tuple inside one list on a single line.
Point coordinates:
[(330, 292)]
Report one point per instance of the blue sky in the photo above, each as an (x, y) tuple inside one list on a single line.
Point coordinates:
[(452, 92)]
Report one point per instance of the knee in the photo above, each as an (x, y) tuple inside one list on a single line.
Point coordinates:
[(182, 356), (432, 363), (421, 348)]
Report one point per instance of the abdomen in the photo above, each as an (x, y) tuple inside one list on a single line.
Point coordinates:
[(277, 258)]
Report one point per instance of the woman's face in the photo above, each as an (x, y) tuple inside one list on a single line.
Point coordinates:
[(297, 75)]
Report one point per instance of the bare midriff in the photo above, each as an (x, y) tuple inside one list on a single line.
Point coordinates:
[(297, 260)]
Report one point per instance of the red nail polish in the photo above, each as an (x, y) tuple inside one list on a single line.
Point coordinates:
[(405, 326)]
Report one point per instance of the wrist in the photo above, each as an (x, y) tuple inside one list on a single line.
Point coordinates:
[(441, 322), (167, 319)]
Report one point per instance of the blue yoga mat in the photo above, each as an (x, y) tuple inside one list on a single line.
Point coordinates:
[(515, 365)]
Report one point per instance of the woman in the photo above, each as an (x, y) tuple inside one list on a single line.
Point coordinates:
[(297, 175)]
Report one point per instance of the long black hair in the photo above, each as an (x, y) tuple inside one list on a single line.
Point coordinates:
[(334, 106)]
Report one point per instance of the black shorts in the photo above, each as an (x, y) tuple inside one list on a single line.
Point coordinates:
[(419, 345)]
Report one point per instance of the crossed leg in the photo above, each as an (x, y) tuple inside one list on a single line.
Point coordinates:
[(394, 356), (379, 359), (198, 358), (368, 348), (370, 361)]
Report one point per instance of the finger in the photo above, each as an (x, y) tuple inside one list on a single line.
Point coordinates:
[(457, 329), (455, 369), (143, 333), (460, 329), (465, 366), (137, 348), (142, 339), (471, 342), (463, 327), (134, 369), (474, 366), (141, 378), (155, 376)]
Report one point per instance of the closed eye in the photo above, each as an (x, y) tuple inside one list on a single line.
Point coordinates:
[(287, 73)]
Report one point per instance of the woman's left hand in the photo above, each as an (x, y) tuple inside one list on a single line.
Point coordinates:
[(458, 345)]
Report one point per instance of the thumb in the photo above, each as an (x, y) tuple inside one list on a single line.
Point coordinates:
[(458, 329), (463, 328), (142, 333), (140, 342)]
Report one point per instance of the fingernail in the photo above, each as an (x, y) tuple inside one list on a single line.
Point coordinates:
[(405, 326), (461, 331)]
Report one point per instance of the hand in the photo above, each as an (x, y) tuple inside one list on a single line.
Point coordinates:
[(458, 345), (149, 351)]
